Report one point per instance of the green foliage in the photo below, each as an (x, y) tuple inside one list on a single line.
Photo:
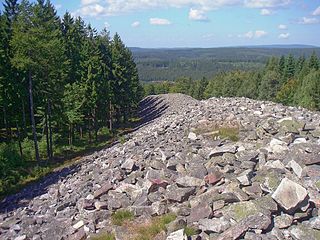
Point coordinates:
[(121, 216), (231, 133), (286, 80), (190, 231), (104, 236)]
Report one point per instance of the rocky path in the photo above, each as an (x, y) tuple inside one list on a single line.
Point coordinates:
[(262, 185)]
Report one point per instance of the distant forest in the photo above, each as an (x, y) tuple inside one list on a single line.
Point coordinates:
[(169, 64), (285, 79)]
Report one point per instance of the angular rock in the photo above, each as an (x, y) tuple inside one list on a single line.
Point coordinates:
[(189, 182), (177, 194), (217, 225), (283, 221), (177, 235), (289, 195), (103, 190), (201, 211)]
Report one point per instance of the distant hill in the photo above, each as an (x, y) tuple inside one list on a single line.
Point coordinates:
[(171, 63)]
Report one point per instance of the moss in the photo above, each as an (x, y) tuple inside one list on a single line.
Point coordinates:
[(104, 236), (243, 210), (291, 126), (121, 216), (318, 186)]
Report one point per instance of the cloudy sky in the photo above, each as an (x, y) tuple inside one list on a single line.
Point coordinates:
[(202, 23)]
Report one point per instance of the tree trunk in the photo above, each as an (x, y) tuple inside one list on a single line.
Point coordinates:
[(110, 117), (50, 131), (70, 134), (81, 133), (47, 133), (95, 125), (24, 117), (33, 122), (5, 121), (19, 140)]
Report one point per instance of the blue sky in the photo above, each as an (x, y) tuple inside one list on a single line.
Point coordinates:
[(202, 23)]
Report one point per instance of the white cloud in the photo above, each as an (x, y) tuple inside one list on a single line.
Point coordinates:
[(91, 10), (199, 7), (159, 21), (265, 12), (266, 3), (135, 24), (88, 2), (57, 6), (282, 27), (260, 33), (107, 25), (197, 15), (306, 20), (253, 34), (284, 35), (316, 12)]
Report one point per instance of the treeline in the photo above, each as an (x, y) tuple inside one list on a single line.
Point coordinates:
[(288, 80), (59, 80), (169, 64)]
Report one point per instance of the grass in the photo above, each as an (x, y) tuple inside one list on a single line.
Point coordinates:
[(121, 216), (230, 133), (104, 236), (156, 226), (190, 231)]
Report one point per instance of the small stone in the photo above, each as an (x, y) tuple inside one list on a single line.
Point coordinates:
[(213, 177), (277, 146), (103, 190), (78, 225), (289, 195), (79, 235), (177, 235), (192, 136), (23, 237), (128, 164), (218, 151), (296, 168), (189, 182), (283, 221)]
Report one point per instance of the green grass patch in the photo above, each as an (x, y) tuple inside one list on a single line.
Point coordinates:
[(156, 226), (104, 236), (190, 231), (121, 216), (230, 133)]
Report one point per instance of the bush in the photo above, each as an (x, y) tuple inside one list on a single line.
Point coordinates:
[(28, 149), (105, 132)]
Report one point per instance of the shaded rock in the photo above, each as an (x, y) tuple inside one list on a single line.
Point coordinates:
[(177, 194), (296, 168), (283, 221), (289, 195), (213, 177)]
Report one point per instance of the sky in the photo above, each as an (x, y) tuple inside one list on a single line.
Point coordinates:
[(202, 23)]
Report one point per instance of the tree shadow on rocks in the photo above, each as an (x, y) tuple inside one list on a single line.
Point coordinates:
[(151, 108), (33, 190)]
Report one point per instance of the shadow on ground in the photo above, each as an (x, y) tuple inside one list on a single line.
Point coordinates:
[(150, 109)]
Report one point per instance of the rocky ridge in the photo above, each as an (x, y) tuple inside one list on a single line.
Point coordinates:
[(264, 184)]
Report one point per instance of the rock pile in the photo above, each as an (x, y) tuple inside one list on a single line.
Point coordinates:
[(230, 168)]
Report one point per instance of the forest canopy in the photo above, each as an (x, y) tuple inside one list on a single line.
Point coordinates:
[(60, 81)]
